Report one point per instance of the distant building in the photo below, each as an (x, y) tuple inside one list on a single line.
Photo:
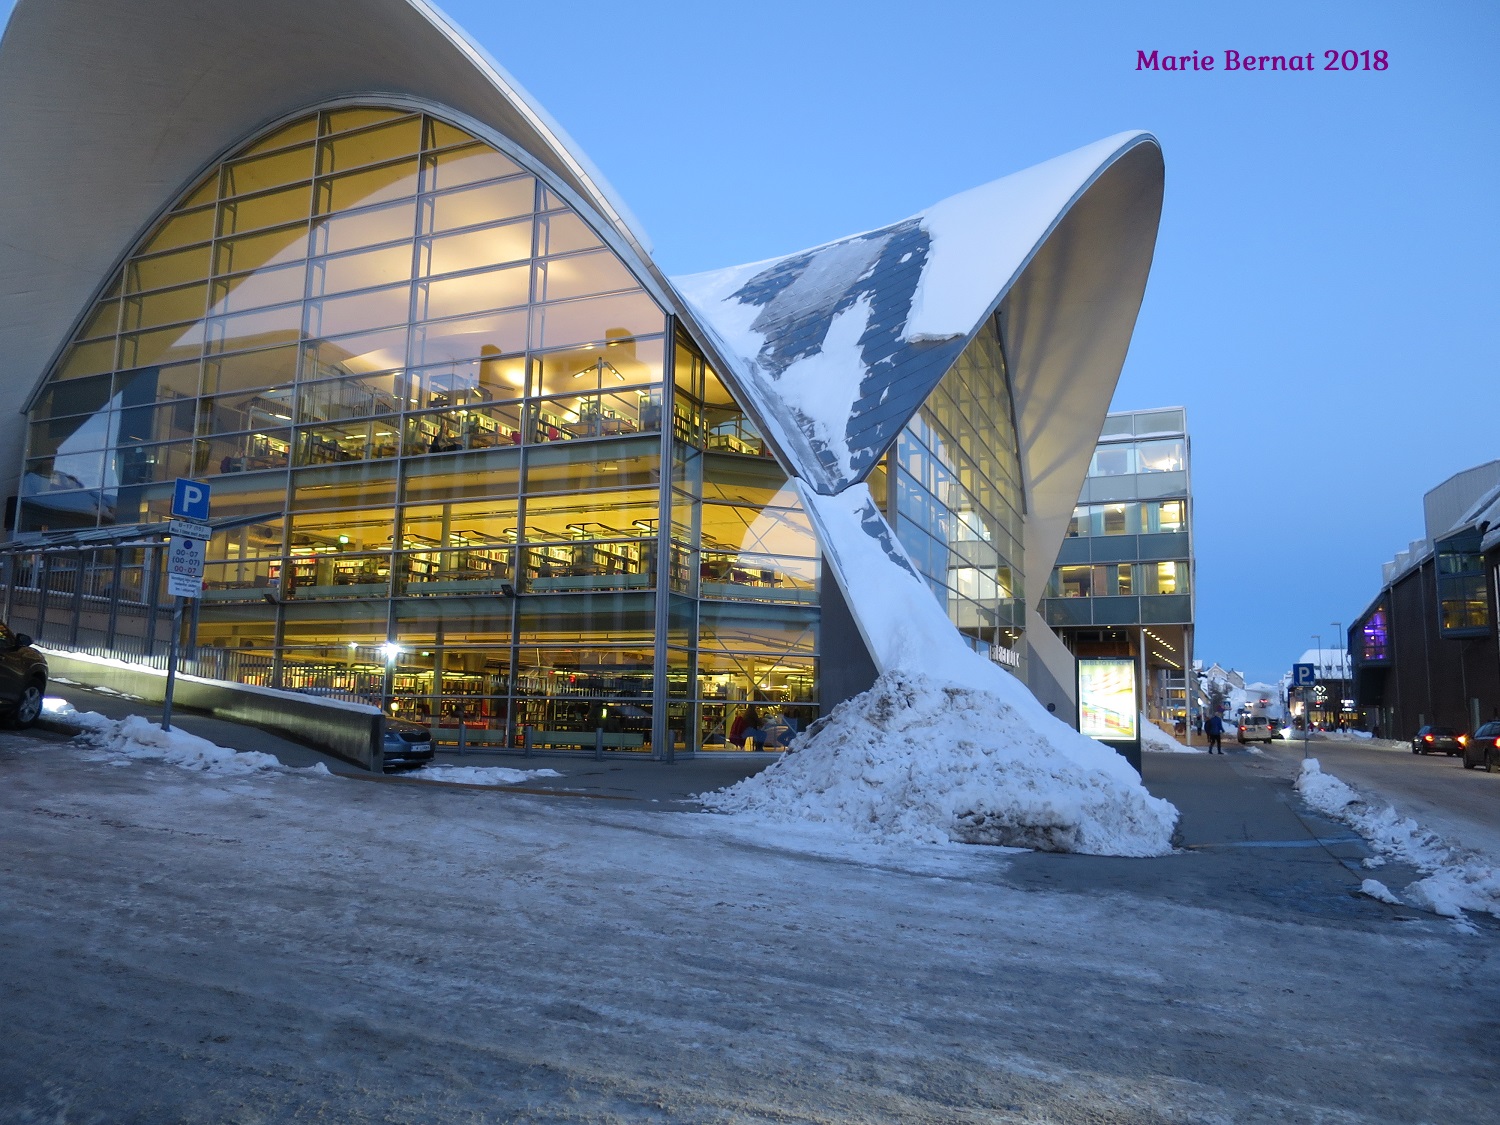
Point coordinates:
[(1424, 650), (1123, 583), (1331, 701)]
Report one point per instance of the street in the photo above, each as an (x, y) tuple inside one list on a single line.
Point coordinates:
[(1463, 806), (293, 946)]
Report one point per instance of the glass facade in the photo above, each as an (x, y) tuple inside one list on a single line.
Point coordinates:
[(1122, 584), (1462, 595), (446, 398), (951, 487), (1127, 557)]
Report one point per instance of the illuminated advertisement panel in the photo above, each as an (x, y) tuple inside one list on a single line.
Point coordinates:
[(1107, 707)]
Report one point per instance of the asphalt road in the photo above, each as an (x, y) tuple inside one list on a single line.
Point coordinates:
[(1462, 806)]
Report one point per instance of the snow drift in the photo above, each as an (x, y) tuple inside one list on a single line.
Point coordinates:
[(915, 760), (1454, 881), (136, 738)]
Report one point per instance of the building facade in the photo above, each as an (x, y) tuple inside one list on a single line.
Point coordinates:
[(1424, 650), (472, 456), (1123, 583)]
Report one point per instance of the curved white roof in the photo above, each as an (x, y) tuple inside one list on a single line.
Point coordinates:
[(838, 346)]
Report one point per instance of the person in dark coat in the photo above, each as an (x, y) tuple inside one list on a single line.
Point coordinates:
[(1214, 728)]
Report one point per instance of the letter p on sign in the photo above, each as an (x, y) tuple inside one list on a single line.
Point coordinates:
[(190, 500)]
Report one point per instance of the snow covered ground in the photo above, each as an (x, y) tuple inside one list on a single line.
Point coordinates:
[(1454, 880), (188, 943)]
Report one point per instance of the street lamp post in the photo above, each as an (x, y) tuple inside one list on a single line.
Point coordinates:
[(1338, 631)]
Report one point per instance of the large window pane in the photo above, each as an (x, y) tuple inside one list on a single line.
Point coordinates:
[(473, 292), (275, 208), (595, 320), (269, 368), (486, 203), (166, 270), (390, 223), (255, 251), (470, 338), (370, 146), (258, 173), (466, 165), (475, 249), (360, 354), (562, 233), (364, 270), (581, 275), (603, 366), (366, 188), (376, 308), (277, 286)]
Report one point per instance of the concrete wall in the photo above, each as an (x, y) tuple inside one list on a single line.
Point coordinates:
[(346, 731)]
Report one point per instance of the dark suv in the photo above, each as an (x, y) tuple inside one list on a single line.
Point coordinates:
[(23, 678)]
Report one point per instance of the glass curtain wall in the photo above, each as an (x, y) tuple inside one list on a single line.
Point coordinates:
[(951, 487), (441, 390), (744, 576)]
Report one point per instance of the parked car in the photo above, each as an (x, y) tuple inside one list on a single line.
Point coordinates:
[(1257, 728), (23, 678), (1483, 748), (406, 745), (1430, 739)]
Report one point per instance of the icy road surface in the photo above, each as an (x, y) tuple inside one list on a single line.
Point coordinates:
[(177, 946)]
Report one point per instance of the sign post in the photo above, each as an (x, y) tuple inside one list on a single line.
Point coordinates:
[(185, 551), (1304, 676)]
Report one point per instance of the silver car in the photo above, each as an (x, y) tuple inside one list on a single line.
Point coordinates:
[(1257, 728)]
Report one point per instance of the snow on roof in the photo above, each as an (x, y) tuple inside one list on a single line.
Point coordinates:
[(840, 344)]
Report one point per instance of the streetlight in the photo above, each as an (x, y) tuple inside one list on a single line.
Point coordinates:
[(1338, 631)]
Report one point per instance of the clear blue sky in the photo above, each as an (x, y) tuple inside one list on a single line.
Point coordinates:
[(1324, 292)]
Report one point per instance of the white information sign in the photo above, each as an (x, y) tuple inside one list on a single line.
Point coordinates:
[(185, 567)]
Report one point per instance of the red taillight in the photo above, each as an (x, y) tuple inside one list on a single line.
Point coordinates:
[(1463, 740), (1427, 738), (1242, 729)]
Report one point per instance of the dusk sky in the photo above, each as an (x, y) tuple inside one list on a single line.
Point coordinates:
[(1323, 290)]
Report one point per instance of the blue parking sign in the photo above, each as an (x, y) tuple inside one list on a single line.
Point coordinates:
[(190, 500), (1304, 675)]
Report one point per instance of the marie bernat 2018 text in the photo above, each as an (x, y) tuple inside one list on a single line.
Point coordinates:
[(1236, 60)]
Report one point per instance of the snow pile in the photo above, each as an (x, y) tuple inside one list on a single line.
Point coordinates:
[(1378, 890), (478, 775), (1454, 882), (917, 761), (138, 739), (1154, 738)]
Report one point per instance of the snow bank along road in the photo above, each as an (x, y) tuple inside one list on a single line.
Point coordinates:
[(282, 946), (1434, 790)]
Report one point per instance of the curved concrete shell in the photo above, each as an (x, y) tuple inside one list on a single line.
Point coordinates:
[(840, 345), (112, 108)]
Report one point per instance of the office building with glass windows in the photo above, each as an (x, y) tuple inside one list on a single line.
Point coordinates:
[(472, 454), (1123, 583), (1424, 650)]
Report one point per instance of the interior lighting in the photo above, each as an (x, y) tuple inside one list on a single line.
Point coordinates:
[(390, 650)]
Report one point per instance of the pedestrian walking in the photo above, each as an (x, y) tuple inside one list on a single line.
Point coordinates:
[(1215, 731)]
